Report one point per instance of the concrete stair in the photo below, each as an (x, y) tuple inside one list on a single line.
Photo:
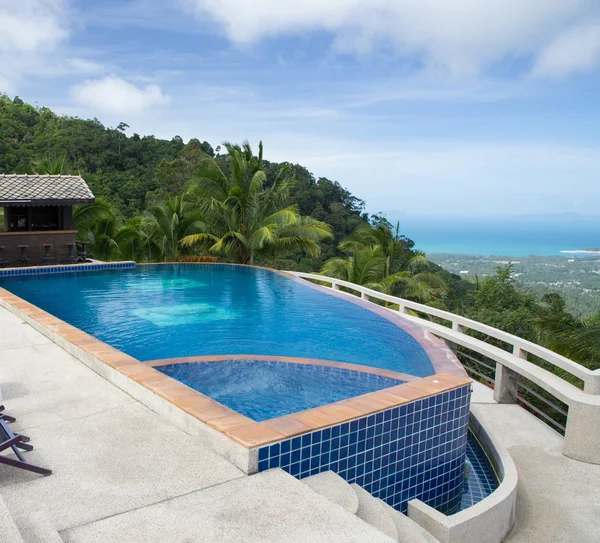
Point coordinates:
[(31, 528), (371, 510), (38, 528), (9, 533), (408, 530), (335, 489)]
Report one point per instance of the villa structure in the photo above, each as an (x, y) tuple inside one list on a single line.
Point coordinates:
[(38, 218)]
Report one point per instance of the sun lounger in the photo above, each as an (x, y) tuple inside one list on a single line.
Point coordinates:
[(10, 440), (4, 416)]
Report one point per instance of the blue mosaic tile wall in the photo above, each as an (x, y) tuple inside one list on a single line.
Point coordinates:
[(416, 450), (66, 269)]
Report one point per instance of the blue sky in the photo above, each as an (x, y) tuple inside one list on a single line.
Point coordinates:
[(432, 108)]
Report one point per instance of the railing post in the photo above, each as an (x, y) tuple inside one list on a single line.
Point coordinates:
[(364, 296), (458, 327), (335, 286), (505, 385), (519, 352), (582, 436)]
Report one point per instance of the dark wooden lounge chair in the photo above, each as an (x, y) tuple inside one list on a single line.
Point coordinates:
[(10, 440), (4, 416)]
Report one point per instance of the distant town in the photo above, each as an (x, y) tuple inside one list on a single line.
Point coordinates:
[(577, 278)]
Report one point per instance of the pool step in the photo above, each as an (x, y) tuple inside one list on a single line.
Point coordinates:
[(371, 510), (408, 530), (38, 528), (330, 485), (9, 533)]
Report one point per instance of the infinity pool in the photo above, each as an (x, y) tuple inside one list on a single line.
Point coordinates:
[(263, 390), (171, 311)]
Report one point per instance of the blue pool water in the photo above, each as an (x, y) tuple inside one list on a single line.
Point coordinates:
[(481, 479), (171, 311), (265, 390)]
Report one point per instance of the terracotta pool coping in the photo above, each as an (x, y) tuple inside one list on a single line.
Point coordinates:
[(237, 427), (288, 359)]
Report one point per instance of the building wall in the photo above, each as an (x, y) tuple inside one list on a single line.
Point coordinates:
[(35, 251), (416, 450)]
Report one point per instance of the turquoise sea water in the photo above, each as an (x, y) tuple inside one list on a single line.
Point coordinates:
[(172, 311), (508, 237)]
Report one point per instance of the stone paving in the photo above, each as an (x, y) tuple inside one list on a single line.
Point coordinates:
[(558, 499)]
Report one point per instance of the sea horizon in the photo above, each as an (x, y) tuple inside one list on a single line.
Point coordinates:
[(567, 236)]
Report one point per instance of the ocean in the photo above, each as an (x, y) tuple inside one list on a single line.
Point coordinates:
[(514, 236)]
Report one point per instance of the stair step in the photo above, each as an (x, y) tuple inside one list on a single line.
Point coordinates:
[(38, 528), (9, 533), (372, 512), (335, 489), (408, 530)]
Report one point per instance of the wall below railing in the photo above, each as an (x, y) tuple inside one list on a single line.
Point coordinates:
[(582, 431)]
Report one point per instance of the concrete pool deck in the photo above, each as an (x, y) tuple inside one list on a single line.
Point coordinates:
[(122, 473)]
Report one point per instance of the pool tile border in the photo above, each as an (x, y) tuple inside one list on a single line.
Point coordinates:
[(241, 429), (287, 359), (64, 268)]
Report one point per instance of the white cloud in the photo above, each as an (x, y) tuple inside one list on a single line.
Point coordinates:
[(458, 36), (34, 38), (115, 96), (577, 50), (31, 25)]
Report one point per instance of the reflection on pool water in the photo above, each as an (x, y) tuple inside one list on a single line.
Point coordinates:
[(171, 311), (264, 390)]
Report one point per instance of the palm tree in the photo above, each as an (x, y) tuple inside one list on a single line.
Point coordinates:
[(109, 237), (58, 166), (394, 246), (380, 259), (573, 337), (166, 225), (246, 217)]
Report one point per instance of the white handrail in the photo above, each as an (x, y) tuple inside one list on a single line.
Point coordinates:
[(521, 347), (582, 436)]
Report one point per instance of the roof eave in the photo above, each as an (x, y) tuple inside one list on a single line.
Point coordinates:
[(46, 202)]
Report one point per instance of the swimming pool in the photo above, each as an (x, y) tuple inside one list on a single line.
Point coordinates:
[(263, 390), (170, 311)]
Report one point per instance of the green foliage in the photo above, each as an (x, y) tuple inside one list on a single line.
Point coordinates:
[(500, 304), (246, 216), (169, 224), (380, 258)]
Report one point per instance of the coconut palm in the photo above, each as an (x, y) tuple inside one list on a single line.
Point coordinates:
[(573, 337), (110, 239), (109, 236), (395, 247), (246, 216), (57, 166), (166, 225), (380, 259)]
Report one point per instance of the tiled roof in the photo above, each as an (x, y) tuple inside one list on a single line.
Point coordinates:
[(43, 190)]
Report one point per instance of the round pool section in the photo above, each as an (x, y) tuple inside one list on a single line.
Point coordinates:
[(172, 311), (264, 390)]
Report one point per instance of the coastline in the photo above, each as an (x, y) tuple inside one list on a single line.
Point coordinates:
[(583, 251)]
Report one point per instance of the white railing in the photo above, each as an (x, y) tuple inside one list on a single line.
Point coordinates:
[(582, 436)]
